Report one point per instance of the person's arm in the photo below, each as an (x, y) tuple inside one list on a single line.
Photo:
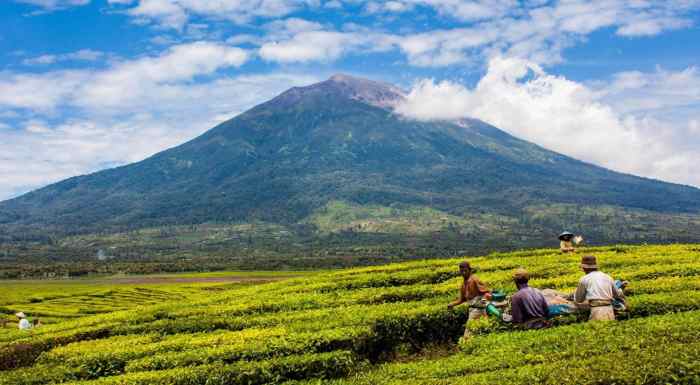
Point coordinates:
[(516, 310), (617, 292), (462, 298), (580, 294)]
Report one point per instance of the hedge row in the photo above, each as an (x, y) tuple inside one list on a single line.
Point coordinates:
[(588, 353)]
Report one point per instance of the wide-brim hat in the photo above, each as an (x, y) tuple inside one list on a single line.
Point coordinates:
[(565, 235), (589, 262), (21, 315)]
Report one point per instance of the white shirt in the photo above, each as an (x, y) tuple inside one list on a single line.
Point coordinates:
[(24, 324), (597, 285)]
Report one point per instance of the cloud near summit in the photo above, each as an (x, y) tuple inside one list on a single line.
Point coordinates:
[(583, 121)]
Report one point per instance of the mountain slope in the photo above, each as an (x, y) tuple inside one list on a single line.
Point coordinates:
[(289, 158)]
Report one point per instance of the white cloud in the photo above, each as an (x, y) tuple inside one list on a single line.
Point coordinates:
[(129, 82), (40, 60), (538, 33), (81, 55), (292, 25), (469, 10), (124, 84), (40, 154), (477, 30), (54, 4), (176, 13), (521, 98), (388, 6), (309, 46), (333, 4), (656, 94), (42, 92)]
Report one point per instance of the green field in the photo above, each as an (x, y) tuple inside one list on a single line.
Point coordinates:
[(375, 325), (57, 300)]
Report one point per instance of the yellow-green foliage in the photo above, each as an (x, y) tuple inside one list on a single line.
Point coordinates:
[(345, 327), (57, 300)]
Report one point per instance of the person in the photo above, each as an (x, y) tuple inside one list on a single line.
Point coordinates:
[(597, 290), (36, 323), (529, 308), (23, 321), (567, 242), (473, 292)]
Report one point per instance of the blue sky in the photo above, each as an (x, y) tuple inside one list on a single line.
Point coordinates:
[(90, 84)]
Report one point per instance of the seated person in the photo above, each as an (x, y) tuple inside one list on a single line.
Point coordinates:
[(529, 307), (23, 321), (567, 242)]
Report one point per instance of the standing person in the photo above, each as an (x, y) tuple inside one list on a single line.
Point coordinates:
[(528, 306), (597, 290), (23, 321), (567, 242), (473, 292)]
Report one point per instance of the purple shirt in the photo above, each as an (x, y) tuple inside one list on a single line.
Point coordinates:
[(528, 304)]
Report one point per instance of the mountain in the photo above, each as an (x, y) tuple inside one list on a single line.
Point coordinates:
[(334, 160)]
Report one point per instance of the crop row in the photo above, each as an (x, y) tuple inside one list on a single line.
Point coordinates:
[(587, 353), (323, 365)]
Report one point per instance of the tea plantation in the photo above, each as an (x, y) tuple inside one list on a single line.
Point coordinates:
[(380, 325)]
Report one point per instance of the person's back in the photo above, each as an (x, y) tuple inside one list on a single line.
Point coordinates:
[(598, 287), (528, 306), (597, 290), (24, 324)]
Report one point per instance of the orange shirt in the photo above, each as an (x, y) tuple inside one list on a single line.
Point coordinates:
[(473, 288)]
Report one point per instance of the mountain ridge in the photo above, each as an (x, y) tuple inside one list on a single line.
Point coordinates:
[(336, 141)]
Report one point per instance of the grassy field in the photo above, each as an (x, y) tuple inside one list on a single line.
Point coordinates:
[(376, 325), (60, 299)]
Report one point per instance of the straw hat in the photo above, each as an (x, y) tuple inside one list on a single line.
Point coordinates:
[(521, 275), (589, 262), (21, 315), (565, 236)]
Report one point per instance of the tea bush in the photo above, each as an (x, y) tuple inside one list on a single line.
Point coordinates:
[(347, 326)]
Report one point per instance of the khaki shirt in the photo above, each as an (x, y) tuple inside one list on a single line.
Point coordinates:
[(566, 245)]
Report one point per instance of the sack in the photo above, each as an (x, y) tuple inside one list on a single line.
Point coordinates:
[(561, 309)]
